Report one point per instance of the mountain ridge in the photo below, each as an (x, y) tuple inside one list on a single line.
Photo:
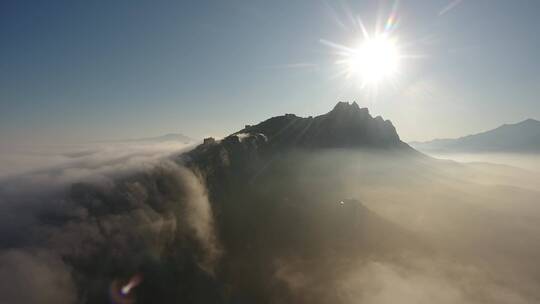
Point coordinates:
[(247, 154), (523, 136), (345, 126)]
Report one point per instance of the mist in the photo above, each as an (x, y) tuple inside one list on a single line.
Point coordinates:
[(302, 187), (317, 226), (474, 229), (74, 222), (20, 159), (527, 161)]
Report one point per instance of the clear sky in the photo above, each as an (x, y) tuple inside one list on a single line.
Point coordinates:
[(74, 71)]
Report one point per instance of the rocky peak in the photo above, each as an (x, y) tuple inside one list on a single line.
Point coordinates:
[(344, 108), (346, 125)]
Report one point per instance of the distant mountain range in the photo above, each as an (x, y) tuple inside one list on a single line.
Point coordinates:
[(522, 137)]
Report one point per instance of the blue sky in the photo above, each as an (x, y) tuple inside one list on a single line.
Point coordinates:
[(74, 71)]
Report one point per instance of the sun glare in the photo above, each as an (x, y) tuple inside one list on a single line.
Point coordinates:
[(376, 59), (373, 61)]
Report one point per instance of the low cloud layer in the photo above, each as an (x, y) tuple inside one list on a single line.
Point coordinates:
[(479, 223), (35, 276), (335, 226), (71, 228)]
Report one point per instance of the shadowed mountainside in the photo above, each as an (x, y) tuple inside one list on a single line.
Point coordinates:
[(346, 126), (267, 215)]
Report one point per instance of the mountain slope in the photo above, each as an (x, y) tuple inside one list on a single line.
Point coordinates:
[(519, 137), (280, 201)]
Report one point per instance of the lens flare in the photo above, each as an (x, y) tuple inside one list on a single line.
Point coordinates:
[(135, 280), (122, 293)]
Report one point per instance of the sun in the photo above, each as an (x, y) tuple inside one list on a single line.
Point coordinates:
[(374, 60)]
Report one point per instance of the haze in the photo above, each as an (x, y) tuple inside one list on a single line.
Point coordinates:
[(273, 152)]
